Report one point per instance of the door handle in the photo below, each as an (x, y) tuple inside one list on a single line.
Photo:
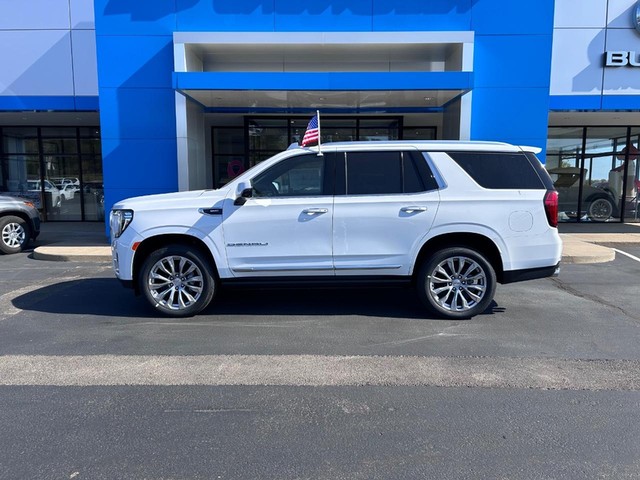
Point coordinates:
[(413, 209), (315, 211)]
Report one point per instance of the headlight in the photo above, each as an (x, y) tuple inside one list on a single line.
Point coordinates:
[(119, 220)]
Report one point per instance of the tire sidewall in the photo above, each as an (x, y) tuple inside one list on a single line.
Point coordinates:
[(194, 255), (596, 218), (4, 221), (429, 265)]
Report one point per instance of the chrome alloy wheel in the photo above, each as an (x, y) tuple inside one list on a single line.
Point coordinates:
[(175, 282), (13, 235), (457, 284)]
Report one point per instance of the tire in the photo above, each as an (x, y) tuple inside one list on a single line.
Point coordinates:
[(14, 234), (600, 209), (176, 295), (456, 283)]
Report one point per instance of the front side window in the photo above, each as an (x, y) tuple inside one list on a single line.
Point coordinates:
[(294, 177)]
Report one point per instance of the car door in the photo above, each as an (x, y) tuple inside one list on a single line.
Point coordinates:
[(385, 204), (285, 227)]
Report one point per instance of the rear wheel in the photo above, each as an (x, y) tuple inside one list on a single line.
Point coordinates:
[(456, 283), (177, 280), (14, 234)]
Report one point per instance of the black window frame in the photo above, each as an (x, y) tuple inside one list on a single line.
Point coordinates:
[(420, 166)]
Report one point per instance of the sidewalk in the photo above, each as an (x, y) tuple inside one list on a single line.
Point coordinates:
[(87, 242)]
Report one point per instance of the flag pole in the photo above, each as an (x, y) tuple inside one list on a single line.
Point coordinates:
[(319, 144)]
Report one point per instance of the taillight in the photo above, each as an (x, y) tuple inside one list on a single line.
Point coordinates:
[(551, 207)]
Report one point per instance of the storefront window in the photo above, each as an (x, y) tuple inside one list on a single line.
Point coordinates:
[(632, 175), (419, 133), (235, 149), (20, 140), (381, 129), (564, 154), (45, 166), (593, 173), (227, 145), (602, 187)]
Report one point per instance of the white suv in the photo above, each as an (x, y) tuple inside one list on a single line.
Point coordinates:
[(452, 218)]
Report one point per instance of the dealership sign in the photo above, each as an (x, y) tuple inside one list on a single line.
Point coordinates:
[(622, 59), (625, 58)]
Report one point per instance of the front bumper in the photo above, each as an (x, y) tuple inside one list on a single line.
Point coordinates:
[(122, 254)]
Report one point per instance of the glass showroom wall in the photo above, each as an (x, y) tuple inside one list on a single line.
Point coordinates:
[(236, 149), (58, 168), (595, 170)]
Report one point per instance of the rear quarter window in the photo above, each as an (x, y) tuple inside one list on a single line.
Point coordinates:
[(499, 170)]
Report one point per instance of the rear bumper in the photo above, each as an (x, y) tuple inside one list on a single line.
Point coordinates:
[(512, 276)]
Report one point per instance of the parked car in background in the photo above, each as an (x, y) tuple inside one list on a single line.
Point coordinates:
[(49, 188), (598, 201), (68, 191), (62, 181), (19, 223)]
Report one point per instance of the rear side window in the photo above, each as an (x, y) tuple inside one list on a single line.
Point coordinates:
[(499, 170), (379, 173), (542, 172)]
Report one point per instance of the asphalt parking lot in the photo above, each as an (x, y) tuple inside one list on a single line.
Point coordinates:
[(325, 383)]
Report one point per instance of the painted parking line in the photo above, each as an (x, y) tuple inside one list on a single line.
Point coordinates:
[(318, 370), (632, 257)]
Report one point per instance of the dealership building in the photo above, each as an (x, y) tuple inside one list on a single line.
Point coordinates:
[(105, 100)]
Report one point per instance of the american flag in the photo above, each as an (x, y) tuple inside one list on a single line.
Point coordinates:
[(312, 133)]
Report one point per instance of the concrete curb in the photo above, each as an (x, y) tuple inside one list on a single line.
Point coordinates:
[(73, 254), (575, 250)]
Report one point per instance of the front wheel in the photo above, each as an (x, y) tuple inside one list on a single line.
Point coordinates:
[(14, 234), (177, 280), (456, 283)]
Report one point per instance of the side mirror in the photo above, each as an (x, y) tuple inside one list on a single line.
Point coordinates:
[(244, 191)]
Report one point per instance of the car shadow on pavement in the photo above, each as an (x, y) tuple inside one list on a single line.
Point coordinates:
[(106, 297)]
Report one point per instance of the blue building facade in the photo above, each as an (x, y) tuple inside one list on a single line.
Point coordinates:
[(168, 95), (138, 79)]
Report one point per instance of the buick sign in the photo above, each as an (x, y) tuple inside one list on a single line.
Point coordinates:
[(622, 59), (636, 17)]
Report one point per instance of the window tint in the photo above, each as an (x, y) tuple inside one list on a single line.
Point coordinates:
[(542, 172), (499, 170), (420, 166), (297, 176), (371, 173), (411, 177)]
